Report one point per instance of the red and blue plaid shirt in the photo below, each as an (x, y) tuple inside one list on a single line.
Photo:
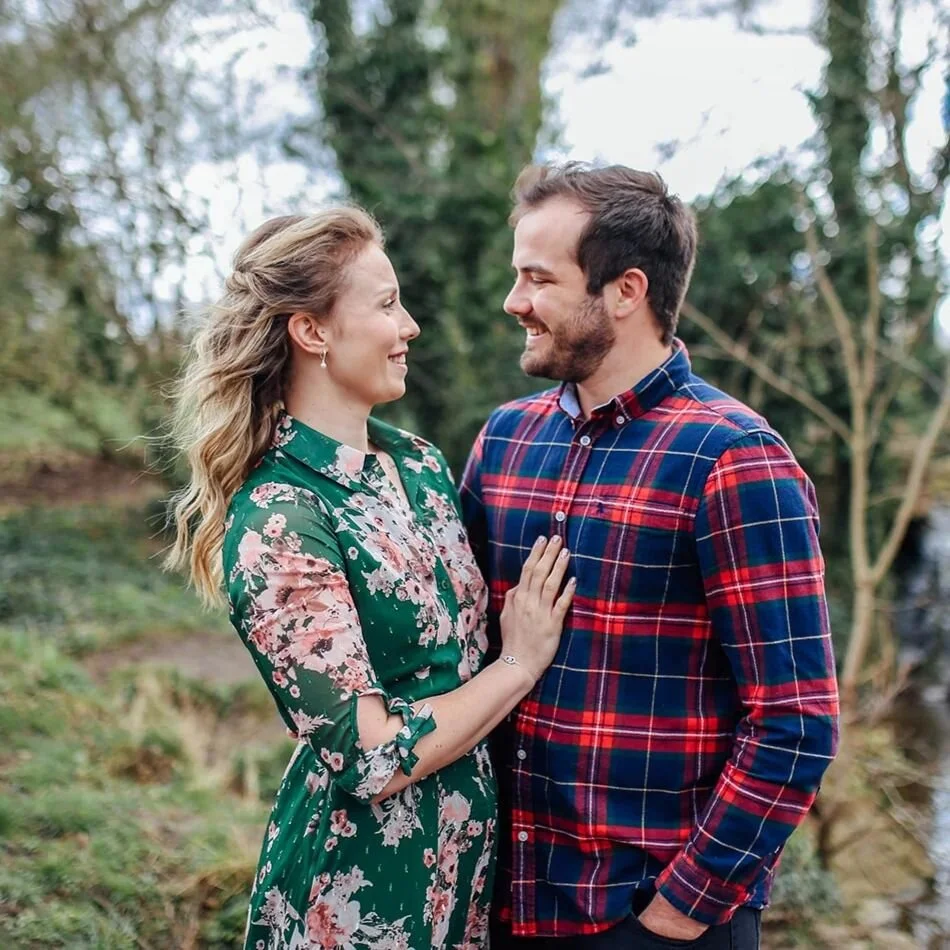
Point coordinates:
[(681, 733)]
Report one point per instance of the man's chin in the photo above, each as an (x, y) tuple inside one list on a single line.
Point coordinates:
[(532, 366)]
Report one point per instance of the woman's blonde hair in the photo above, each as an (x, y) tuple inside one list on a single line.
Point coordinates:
[(232, 390)]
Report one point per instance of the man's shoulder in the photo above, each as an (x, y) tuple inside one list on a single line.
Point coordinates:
[(510, 416), (718, 417)]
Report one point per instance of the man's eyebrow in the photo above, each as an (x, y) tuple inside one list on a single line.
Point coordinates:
[(534, 269)]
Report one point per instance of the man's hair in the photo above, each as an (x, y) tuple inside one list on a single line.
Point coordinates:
[(634, 222)]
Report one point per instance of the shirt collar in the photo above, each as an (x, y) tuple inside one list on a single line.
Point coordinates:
[(337, 461), (644, 396)]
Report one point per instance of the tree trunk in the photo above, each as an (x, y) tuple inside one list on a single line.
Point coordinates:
[(862, 626)]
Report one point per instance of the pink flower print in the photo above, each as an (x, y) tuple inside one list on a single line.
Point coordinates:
[(474, 829), (294, 691), (330, 844), (326, 927), (250, 550), (354, 678), (431, 464), (349, 461), (262, 495), (439, 901), (333, 759), (338, 821), (428, 857), (279, 679), (455, 809), (352, 554), (275, 525)]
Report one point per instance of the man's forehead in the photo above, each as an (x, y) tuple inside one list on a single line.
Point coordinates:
[(549, 231)]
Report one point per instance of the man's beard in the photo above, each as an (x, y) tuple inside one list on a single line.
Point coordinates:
[(577, 347)]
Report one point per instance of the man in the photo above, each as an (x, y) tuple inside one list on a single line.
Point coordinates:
[(651, 779)]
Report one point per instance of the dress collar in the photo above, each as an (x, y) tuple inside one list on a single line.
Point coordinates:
[(340, 462), (644, 396)]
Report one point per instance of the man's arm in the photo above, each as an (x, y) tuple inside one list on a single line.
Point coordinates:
[(473, 508), (757, 541)]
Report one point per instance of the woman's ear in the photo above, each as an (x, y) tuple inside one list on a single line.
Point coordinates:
[(308, 333)]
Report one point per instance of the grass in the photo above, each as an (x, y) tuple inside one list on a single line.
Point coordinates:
[(91, 577), (110, 834), (132, 808)]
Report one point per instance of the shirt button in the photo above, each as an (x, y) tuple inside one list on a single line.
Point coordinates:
[(522, 836), (585, 440), (560, 516), (620, 420), (522, 755)]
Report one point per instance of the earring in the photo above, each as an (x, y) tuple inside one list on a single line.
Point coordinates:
[(323, 359)]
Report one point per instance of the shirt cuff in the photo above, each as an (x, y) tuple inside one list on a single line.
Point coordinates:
[(696, 893), (374, 769)]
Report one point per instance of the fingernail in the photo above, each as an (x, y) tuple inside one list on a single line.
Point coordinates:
[(573, 582), (539, 542), (556, 539), (565, 553)]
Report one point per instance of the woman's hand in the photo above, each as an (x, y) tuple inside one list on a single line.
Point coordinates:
[(533, 616)]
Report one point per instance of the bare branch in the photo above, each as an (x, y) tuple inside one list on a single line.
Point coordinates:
[(885, 396), (766, 373), (839, 317), (915, 477), (872, 320)]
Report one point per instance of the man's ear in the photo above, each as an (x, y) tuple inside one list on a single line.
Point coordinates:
[(308, 333), (632, 287)]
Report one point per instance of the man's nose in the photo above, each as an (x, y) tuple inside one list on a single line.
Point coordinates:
[(517, 303)]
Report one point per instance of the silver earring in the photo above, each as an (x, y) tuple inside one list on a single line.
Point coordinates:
[(323, 359)]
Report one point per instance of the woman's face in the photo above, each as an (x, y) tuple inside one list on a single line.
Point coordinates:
[(369, 332)]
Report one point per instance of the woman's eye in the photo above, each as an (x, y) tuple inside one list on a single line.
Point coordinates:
[(390, 303)]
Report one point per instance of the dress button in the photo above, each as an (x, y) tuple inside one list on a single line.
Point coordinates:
[(522, 755), (585, 440), (522, 836), (620, 420), (560, 516)]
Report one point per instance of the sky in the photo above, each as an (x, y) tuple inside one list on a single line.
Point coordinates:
[(723, 97)]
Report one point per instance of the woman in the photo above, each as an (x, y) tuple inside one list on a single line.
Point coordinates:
[(350, 579)]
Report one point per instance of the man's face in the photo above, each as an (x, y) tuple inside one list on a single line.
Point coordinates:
[(569, 331)]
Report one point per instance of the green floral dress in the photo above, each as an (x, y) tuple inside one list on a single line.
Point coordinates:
[(339, 591)]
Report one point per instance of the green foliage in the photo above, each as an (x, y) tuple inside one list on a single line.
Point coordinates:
[(803, 891), (431, 112)]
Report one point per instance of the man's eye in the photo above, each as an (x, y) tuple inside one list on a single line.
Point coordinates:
[(390, 303)]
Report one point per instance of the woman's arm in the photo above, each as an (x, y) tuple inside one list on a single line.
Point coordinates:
[(292, 604), (532, 621)]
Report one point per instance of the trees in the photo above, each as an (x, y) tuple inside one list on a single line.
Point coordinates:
[(823, 287), (431, 112)]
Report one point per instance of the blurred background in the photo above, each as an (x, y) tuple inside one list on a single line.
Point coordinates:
[(140, 140)]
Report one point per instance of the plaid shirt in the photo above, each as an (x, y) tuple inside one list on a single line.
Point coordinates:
[(681, 733)]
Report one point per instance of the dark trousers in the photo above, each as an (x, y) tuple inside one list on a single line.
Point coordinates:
[(740, 933)]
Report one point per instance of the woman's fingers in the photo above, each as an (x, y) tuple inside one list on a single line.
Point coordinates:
[(552, 584), (563, 602), (547, 560), (527, 570)]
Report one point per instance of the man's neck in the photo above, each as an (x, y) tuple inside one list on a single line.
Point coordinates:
[(620, 371), (329, 412)]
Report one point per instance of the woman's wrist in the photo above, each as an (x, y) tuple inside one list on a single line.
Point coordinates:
[(513, 662)]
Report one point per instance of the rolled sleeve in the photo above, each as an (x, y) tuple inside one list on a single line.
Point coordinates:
[(291, 602), (763, 575)]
